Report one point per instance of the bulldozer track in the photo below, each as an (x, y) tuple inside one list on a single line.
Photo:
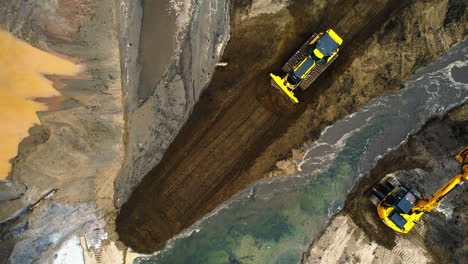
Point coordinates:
[(298, 56), (184, 172), (363, 14), (215, 147), (315, 73), (419, 241), (385, 254), (405, 255)]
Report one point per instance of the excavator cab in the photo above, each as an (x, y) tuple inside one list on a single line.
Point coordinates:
[(399, 202), (401, 199), (399, 207), (394, 202)]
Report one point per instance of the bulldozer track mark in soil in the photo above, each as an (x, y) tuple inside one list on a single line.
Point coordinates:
[(215, 178), (185, 171), (361, 21), (215, 149)]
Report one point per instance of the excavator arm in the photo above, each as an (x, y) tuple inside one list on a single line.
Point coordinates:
[(429, 204), (462, 157), (400, 208)]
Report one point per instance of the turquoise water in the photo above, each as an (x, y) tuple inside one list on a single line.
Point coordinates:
[(274, 220)]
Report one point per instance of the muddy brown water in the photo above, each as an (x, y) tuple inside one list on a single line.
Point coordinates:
[(239, 115), (23, 91), (157, 31)]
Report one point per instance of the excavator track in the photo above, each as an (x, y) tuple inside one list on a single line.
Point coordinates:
[(382, 188)]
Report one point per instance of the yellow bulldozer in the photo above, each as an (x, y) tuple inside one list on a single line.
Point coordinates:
[(314, 56), (399, 207)]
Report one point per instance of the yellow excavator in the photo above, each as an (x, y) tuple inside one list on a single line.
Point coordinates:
[(312, 58), (399, 207)]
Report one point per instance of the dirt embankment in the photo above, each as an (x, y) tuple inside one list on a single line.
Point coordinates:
[(241, 126), (426, 162)]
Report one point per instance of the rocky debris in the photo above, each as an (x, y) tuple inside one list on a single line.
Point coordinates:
[(298, 154), (426, 162), (288, 166), (284, 167)]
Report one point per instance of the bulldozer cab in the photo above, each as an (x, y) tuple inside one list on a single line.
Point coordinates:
[(326, 45)]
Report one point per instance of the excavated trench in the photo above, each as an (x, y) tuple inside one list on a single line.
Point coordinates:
[(240, 115)]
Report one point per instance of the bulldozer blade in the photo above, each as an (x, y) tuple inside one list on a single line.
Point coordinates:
[(276, 82)]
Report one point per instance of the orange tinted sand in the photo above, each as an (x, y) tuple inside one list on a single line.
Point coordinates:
[(21, 81)]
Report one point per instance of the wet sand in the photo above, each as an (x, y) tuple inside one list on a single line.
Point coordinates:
[(24, 91)]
